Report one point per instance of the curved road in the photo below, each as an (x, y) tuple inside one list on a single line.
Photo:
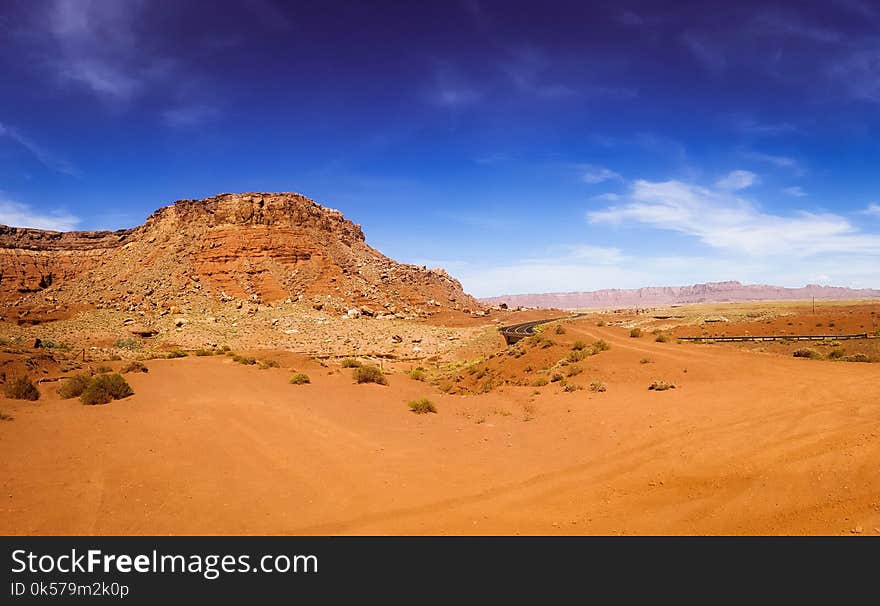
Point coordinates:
[(515, 332)]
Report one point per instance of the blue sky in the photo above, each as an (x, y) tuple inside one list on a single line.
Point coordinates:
[(576, 147)]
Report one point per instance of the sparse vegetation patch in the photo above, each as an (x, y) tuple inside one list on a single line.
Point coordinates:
[(300, 378), (661, 386), (21, 388), (422, 406), (369, 374)]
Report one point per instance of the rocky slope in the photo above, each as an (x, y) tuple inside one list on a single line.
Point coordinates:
[(712, 292), (255, 247)]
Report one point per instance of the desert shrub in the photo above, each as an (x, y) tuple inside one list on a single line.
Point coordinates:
[(177, 353), (574, 370), (204, 352), (806, 352), (601, 345), (369, 374), (540, 382), (246, 360), (662, 338), (264, 364), (417, 374), (225, 348), (836, 353), (127, 344), (135, 366), (570, 387), (645, 361), (5, 417), (349, 363), (422, 406), (74, 386), (661, 386), (577, 355), (560, 329), (635, 333), (21, 388), (600, 323), (578, 346), (555, 377), (597, 386), (103, 369), (859, 357), (104, 388), (300, 378)]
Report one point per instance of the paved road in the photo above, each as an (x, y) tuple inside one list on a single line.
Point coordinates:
[(514, 333)]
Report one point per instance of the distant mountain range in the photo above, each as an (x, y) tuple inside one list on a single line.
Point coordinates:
[(711, 292)]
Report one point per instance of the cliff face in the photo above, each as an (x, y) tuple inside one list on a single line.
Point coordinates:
[(256, 246), (712, 292)]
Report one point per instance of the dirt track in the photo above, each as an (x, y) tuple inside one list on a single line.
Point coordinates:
[(748, 443)]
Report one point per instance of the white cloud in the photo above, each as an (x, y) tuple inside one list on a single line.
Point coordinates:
[(16, 214), (726, 222), (598, 174), (795, 191), (873, 209), (737, 179), (609, 197)]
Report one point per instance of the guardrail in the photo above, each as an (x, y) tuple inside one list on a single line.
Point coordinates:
[(862, 335)]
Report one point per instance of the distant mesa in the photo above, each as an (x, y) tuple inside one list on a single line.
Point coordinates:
[(261, 247), (711, 292)]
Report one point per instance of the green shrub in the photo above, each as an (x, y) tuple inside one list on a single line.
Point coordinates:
[(349, 363), (577, 355), (135, 366), (104, 388), (578, 346), (74, 386), (635, 333), (422, 406), (369, 374), (806, 352), (417, 374), (597, 386), (601, 345), (300, 378), (21, 388), (661, 386), (128, 344)]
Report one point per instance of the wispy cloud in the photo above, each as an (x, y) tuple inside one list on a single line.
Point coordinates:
[(45, 157), (778, 161), (726, 222), (796, 191), (96, 47), (452, 90), (16, 214), (598, 174), (737, 179), (872, 209), (190, 115)]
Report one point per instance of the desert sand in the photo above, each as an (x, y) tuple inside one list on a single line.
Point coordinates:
[(751, 441)]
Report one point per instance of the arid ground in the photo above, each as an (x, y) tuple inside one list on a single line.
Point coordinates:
[(525, 441)]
